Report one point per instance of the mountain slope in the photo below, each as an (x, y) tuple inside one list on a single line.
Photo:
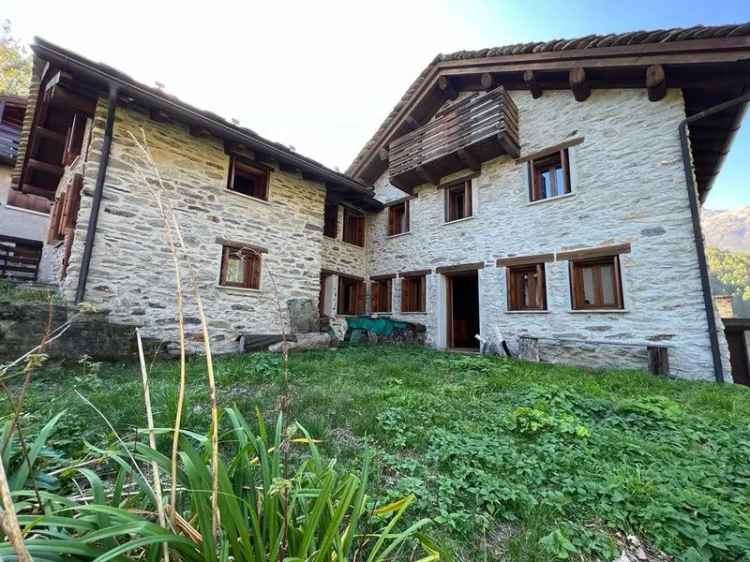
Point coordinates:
[(727, 230)]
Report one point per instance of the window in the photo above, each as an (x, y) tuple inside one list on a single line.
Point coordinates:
[(458, 201), (527, 287), (248, 179), (74, 139), (351, 295), (596, 283), (381, 295), (398, 218), (549, 176), (240, 267), (331, 220), (354, 227), (413, 293)]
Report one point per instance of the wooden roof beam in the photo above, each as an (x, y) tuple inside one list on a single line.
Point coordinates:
[(532, 83), (656, 82), (426, 175), (579, 84), (445, 85), (468, 159)]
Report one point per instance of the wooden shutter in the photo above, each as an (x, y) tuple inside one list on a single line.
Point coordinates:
[(405, 295), (422, 306), (391, 221), (467, 199), (407, 218), (54, 222), (74, 139), (223, 266), (253, 279), (375, 296)]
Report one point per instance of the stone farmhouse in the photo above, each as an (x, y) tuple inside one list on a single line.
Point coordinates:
[(544, 197)]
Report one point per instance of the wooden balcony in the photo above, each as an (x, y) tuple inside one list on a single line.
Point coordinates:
[(470, 132), (8, 143)]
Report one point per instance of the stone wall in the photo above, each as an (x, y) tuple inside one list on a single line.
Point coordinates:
[(24, 324), (131, 271), (628, 186), (341, 257)]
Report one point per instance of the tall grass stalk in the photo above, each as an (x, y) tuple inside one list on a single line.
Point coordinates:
[(152, 441)]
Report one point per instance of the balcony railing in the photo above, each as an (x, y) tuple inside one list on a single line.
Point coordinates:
[(8, 142), (472, 131)]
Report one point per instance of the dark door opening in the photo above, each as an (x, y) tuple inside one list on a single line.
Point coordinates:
[(738, 356), (463, 310)]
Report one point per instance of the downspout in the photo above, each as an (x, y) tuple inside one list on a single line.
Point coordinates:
[(98, 192), (698, 230)]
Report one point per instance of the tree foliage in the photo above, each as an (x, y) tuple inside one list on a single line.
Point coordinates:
[(730, 272), (15, 63)]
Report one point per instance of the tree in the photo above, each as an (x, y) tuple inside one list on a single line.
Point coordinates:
[(15, 63), (730, 272)]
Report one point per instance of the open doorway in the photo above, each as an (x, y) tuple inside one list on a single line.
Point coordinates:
[(463, 310)]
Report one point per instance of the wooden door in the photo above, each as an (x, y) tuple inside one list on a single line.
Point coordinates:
[(738, 357)]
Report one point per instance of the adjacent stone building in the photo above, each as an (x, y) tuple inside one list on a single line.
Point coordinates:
[(540, 200)]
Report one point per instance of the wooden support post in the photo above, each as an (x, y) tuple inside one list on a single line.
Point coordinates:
[(658, 360), (530, 78), (488, 81), (446, 86), (656, 82), (412, 123), (468, 159), (578, 83), (425, 174)]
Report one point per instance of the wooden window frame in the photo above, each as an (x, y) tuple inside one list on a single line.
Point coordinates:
[(358, 306), (381, 295), (395, 222), (468, 210), (537, 166), (236, 163), (252, 264), (409, 305), (577, 297), (514, 287), (351, 234), (74, 139), (331, 220)]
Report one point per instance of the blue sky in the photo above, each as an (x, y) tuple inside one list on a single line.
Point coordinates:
[(322, 75)]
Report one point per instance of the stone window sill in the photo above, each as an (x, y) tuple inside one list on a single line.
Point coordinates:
[(412, 313), (351, 244), (391, 236), (600, 311), (240, 290), (250, 197), (550, 199), (459, 220), (527, 312)]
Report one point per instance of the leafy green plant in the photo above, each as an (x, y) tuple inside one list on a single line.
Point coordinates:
[(316, 513)]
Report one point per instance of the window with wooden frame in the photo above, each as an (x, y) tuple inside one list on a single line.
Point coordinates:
[(398, 218), (458, 201), (331, 220), (240, 267), (248, 179), (354, 227), (351, 296), (549, 176), (527, 288), (596, 283), (414, 293), (74, 139), (380, 294)]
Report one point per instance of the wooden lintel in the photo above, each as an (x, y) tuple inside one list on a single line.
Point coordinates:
[(425, 174), (199, 132), (532, 83), (446, 87), (383, 153), (579, 84), (415, 273), (488, 81), (459, 268), (159, 116), (656, 82), (468, 159)]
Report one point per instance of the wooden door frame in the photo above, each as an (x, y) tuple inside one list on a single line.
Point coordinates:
[(449, 278)]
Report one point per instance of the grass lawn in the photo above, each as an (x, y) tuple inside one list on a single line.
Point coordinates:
[(513, 461)]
